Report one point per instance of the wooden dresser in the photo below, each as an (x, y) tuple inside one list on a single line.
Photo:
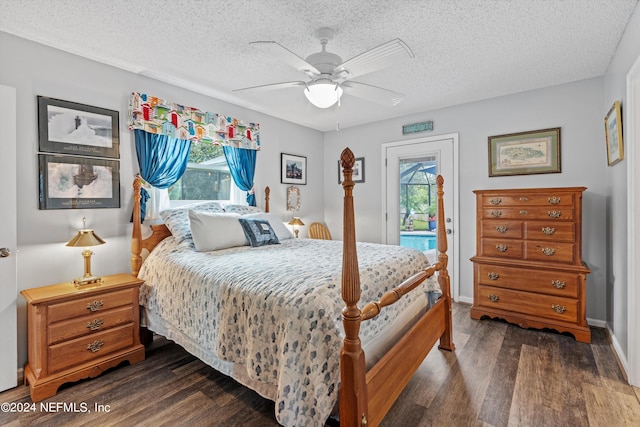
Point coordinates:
[(77, 333), (528, 266)]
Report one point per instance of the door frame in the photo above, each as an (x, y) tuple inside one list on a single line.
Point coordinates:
[(632, 136), (451, 190)]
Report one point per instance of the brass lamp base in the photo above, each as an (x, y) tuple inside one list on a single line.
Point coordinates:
[(88, 278), (81, 281)]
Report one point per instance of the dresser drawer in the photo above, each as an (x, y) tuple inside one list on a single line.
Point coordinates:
[(502, 229), (80, 350), (547, 306), (548, 282), (551, 199), (528, 213), (90, 323), (549, 252), (501, 248), (550, 230), (90, 304)]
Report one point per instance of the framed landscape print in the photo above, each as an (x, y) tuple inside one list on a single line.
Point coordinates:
[(525, 153), (613, 133), (70, 128), (74, 182), (358, 171), (293, 169)]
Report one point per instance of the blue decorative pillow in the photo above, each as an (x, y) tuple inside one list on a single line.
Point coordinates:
[(258, 232)]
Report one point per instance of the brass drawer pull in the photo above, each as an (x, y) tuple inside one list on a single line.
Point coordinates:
[(555, 214), (558, 284), (524, 212), (558, 308), (495, 201), (493, 276), (502, 248), (494, 298), (502, 229), (95, 306), (548, 251), (495, 214), (95, 346), (554, 200), (548, 230), (524, 199), (94, 325)]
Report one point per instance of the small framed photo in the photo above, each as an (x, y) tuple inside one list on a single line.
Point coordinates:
[(525, 153), (358, 171), (74, 182), (613, 132), (70, 128), (293, 169)]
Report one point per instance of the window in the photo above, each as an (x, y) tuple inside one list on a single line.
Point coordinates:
[(207, 176)]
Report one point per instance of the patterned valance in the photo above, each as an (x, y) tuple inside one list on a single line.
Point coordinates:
[(159, 116)]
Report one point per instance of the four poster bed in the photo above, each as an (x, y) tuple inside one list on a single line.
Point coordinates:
[(283, 318)]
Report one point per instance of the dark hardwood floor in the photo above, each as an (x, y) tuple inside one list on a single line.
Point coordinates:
[(499, 375)]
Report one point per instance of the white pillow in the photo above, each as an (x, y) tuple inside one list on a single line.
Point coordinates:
[(281, 230), (213, 231)]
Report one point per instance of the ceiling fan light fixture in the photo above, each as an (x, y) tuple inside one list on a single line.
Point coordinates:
[(323, 94)]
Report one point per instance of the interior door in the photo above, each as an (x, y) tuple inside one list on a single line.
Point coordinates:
[(439, 152), (8, 225)]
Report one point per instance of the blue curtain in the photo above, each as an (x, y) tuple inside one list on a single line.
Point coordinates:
[(242, 165), (162, 161)]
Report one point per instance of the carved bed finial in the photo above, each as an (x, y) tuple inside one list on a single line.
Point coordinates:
[(347, 158)]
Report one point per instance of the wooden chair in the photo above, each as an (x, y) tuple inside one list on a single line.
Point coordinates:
[(318, 230)]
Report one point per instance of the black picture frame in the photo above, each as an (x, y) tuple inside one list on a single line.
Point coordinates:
[(75, 182), (70, 128), (293, 169), (358, 170)]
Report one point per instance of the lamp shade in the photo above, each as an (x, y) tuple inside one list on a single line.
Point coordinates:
[(295, 221), (323, 93), (85, 238)]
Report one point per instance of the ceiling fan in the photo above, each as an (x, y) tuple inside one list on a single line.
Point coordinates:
[(331, 77)]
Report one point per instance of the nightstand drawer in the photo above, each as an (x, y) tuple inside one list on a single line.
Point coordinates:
[(90, 304), (90, 323), (551, 307), (70, 353)]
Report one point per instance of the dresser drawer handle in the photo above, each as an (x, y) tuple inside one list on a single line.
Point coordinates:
[(555, 214), (548, 251), (94, 325), (558, 284), (502, 248), (494, 298), (502, 229), (524, 199), (493, 276), (95, 346), (524, 212), (495, 214), (95, 306), (558, 308), (495, 201), (554, 200), (548, 230)]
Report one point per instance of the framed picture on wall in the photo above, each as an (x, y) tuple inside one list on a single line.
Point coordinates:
[(293, 169), (74, 182), (358, 170), (70, 128), (525, 153), (613, 133)]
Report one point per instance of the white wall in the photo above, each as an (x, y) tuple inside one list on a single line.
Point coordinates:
[(34, 69), (575, 108)]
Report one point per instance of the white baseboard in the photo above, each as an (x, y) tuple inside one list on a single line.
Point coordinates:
[(465, 300), (622, 359), (597, 323)]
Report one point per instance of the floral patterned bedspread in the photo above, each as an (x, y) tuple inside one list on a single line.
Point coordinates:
[(275, 309)]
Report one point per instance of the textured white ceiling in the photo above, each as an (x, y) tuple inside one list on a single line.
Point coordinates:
[(465, 50)]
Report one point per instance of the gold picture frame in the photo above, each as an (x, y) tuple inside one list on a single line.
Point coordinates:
[(525, 153), (613, 134)]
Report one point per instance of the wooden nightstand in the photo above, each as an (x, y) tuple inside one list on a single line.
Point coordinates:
[(77, 333)]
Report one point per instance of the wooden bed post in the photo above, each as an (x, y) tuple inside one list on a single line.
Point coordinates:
[(136, 234), (267, 192), (353, 389), (446, 339)]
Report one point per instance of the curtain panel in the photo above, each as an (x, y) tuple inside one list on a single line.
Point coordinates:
[(242, 165)]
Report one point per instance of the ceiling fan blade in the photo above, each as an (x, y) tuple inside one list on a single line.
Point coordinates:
[(272, 86), (372, 93), (288, 57), (375, 59)]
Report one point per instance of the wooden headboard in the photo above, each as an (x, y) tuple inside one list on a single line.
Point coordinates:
[(159, 232)]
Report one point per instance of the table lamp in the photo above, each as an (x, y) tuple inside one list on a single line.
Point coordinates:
[(295, 223), (85, 238)]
